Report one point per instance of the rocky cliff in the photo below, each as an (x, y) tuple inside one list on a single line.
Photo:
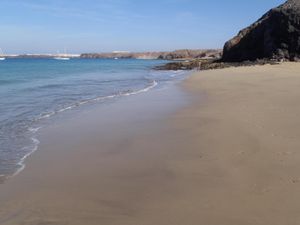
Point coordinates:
[(274, 36)]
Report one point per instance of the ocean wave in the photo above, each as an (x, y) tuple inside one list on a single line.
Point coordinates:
[(33, 130), (51, 89), (30, 150), (97, 99), (153, 85)]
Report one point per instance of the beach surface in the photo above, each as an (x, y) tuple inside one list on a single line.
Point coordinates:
[(226, 151)]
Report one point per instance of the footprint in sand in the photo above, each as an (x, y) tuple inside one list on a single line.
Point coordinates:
[(285, 153), (295, 181)]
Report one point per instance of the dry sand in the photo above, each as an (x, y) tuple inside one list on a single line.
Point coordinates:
[(230, 158)]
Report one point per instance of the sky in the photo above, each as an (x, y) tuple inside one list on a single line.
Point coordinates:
[(48, 26)]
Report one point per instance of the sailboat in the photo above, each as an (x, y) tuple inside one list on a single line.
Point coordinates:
[(1, 55), (62, 56)]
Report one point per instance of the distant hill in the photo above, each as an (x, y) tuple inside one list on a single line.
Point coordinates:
[(274, 36), (178, 54)]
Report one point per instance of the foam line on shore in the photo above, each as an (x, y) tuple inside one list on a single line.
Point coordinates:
[(102, 98), (36, 142)]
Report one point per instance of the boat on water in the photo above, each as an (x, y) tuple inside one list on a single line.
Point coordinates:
[(63, 57), (2, 55)]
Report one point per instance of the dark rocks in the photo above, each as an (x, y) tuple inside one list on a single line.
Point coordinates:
[(275, 36), (191, 54), (186, 65), (206, 64)]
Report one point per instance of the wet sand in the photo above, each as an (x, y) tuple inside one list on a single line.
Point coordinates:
[(230, 157)]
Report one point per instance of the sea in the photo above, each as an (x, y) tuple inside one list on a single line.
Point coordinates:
[(34, 92)]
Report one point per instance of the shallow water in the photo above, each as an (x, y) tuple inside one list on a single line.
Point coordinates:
[(34, 90)]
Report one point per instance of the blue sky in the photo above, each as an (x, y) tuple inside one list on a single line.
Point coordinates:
[(45, 26)]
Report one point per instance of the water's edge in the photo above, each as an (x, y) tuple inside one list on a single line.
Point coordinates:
[(47, 118)]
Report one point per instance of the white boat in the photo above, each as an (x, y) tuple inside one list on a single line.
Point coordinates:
[(1, 55), (62, 56)]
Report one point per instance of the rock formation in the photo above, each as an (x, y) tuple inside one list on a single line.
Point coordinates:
[(275, 36), (191, 54)]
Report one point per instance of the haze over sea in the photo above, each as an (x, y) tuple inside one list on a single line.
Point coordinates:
[(34, 90)]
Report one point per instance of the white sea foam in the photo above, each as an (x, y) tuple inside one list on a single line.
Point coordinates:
[(153, 85), (36, 142), (45, 116), (102, 98), (178, 73), (34, 129), (21, 163)]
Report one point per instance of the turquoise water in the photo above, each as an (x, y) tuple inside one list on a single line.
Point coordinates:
[(34, 90)]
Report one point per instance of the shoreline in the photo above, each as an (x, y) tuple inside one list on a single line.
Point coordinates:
[(19, 129), (36, 142), (76, 139), (171, 157)]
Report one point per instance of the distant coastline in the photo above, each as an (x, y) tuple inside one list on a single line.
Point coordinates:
[(38, 56), (163, 55)]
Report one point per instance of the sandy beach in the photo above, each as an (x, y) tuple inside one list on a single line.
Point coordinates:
[(224, 149)]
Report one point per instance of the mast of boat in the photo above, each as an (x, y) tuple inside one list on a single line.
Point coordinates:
[(1, 55), (62, 56)]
